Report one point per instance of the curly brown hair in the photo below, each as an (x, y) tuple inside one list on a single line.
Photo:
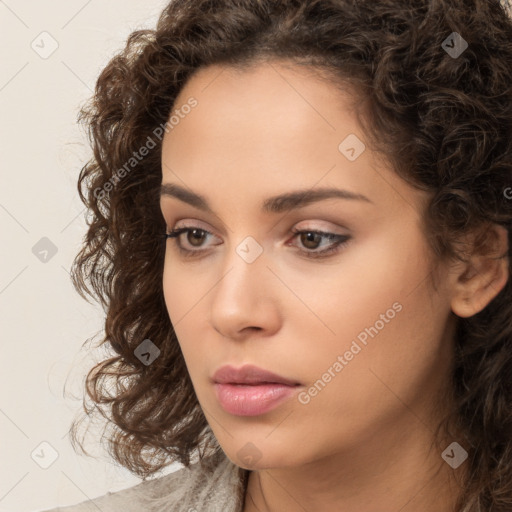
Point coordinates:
[(444, 122)]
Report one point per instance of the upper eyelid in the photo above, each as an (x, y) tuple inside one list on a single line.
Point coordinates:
[(171, 212), (196, 223), (294, 230)]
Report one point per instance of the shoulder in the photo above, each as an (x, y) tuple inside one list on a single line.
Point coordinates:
[(213, 484)]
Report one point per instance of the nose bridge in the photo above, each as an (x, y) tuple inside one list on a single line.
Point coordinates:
[(244, 270), (243, 297)]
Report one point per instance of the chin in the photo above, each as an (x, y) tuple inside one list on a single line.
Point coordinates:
[(259, 455)]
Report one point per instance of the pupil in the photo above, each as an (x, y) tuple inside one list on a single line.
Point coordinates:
[(310, 238), (198, 235)]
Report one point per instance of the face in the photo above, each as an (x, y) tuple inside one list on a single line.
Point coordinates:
[(332, 294)]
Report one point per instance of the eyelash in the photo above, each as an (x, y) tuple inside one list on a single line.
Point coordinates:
[(340, 241)]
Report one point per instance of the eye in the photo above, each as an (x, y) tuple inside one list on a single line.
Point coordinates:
[(195, 237), (309, 238)]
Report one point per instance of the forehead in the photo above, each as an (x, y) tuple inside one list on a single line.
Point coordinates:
[(288, 95), (269, 113), (268, 129)]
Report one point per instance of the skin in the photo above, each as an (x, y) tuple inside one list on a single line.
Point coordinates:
[(364, 441)]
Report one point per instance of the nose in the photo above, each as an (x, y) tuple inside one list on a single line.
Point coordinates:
[(245, 301)]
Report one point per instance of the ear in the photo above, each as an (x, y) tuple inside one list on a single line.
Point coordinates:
[(475, 282)]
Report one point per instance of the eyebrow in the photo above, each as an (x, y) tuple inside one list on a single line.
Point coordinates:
[(276, 204)]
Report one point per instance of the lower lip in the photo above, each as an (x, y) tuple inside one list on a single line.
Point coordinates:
[(252, 400)]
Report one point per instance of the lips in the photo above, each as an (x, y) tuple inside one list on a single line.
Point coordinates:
[(249, 375), (251, 391)]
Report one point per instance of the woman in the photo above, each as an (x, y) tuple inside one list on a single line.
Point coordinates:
[(301, 227)]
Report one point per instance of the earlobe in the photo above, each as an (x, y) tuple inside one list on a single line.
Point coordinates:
[(480, 279)]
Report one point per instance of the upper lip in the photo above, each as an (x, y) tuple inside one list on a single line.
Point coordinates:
[(248, 374)]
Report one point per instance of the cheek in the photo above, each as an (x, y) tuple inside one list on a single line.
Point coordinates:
[(179, 297), (183, 288), (376, 312), (341, 300)]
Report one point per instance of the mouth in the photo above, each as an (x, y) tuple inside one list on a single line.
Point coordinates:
[(251, 391), (252, 399)]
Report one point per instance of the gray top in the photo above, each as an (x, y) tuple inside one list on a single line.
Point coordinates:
[(508, 5), (212, 485), (216, 485)]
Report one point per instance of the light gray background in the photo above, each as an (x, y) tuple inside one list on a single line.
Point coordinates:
[(44, 321)]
